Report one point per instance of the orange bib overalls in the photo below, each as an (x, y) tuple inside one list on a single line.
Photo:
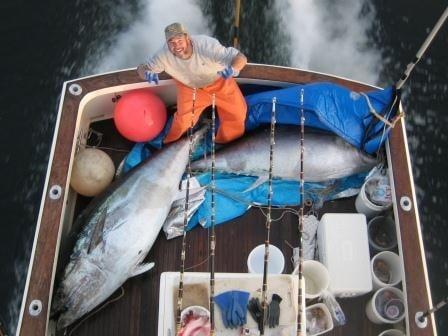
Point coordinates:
[(231, 108)]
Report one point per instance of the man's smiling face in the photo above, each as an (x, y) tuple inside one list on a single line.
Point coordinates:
[(180, 46)]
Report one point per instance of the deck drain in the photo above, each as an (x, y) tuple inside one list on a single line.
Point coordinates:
[(35, 307)]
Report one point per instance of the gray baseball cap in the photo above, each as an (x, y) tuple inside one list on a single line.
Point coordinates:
[(174, 29)]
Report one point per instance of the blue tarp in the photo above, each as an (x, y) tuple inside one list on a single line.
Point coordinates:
[(328, 107), (232, 200)]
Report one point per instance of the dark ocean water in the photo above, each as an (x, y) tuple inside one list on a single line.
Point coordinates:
[(47, 42)]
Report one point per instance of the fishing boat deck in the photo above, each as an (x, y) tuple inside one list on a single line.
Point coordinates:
[(136, 311), (89, 103)]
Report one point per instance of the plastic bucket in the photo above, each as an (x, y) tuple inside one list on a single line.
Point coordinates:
[(365, 206), (194, 311), (392, 332), (276, 260), (382, 233), (317, 278), (386, 306), (386, 269), (318, 319)]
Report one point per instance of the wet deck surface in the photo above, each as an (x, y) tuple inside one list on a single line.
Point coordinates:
[(136, 312)]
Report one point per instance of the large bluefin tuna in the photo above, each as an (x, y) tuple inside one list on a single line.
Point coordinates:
[(120, 228), (325, 156)]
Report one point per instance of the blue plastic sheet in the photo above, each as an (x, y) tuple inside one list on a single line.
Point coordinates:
[(328, 107), (232, 200)]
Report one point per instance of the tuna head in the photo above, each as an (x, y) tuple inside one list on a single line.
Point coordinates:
[(80, 291)]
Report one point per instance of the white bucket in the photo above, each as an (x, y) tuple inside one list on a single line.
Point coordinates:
[(384, 306), (276, 260), (317, 278), (365, 206), (392, 332), (311, 321), (195, 311), (389, 264), (382, 233)]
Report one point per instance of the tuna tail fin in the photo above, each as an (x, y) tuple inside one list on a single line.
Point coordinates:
[(260, 180), (142, 268)]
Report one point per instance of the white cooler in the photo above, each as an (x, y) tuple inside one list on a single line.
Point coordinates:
[(344, 249)]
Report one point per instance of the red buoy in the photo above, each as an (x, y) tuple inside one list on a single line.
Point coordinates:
[(140, 115)]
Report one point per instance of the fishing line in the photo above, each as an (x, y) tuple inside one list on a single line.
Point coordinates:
[(108, 148), (197, 265)]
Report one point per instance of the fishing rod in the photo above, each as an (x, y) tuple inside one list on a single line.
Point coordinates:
[(236, 25), (264, 304), (212, 224), (406, 75), (422, 49), (300, 327), (421, 317), (180, 293)]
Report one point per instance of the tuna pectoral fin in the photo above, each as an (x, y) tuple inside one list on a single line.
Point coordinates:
[(97, 234), (260, 180), (142, 268)]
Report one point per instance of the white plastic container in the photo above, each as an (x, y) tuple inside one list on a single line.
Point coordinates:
[(344, 250), (316, 277), (326, 317), (390, 263), (276, 260), (392, 332), (382, 233), (376, 312), (365, 206)]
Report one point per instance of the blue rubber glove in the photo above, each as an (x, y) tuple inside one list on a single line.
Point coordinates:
[(152, 77), (228, 72), (239, 311), (233, 306), (224, 301)]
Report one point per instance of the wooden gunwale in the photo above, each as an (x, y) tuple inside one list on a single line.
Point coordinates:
[(42, 266)]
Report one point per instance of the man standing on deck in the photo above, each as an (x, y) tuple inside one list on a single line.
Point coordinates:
[(200, 62)]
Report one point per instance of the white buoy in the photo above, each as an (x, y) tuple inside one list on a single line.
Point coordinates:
[(93, 170)]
